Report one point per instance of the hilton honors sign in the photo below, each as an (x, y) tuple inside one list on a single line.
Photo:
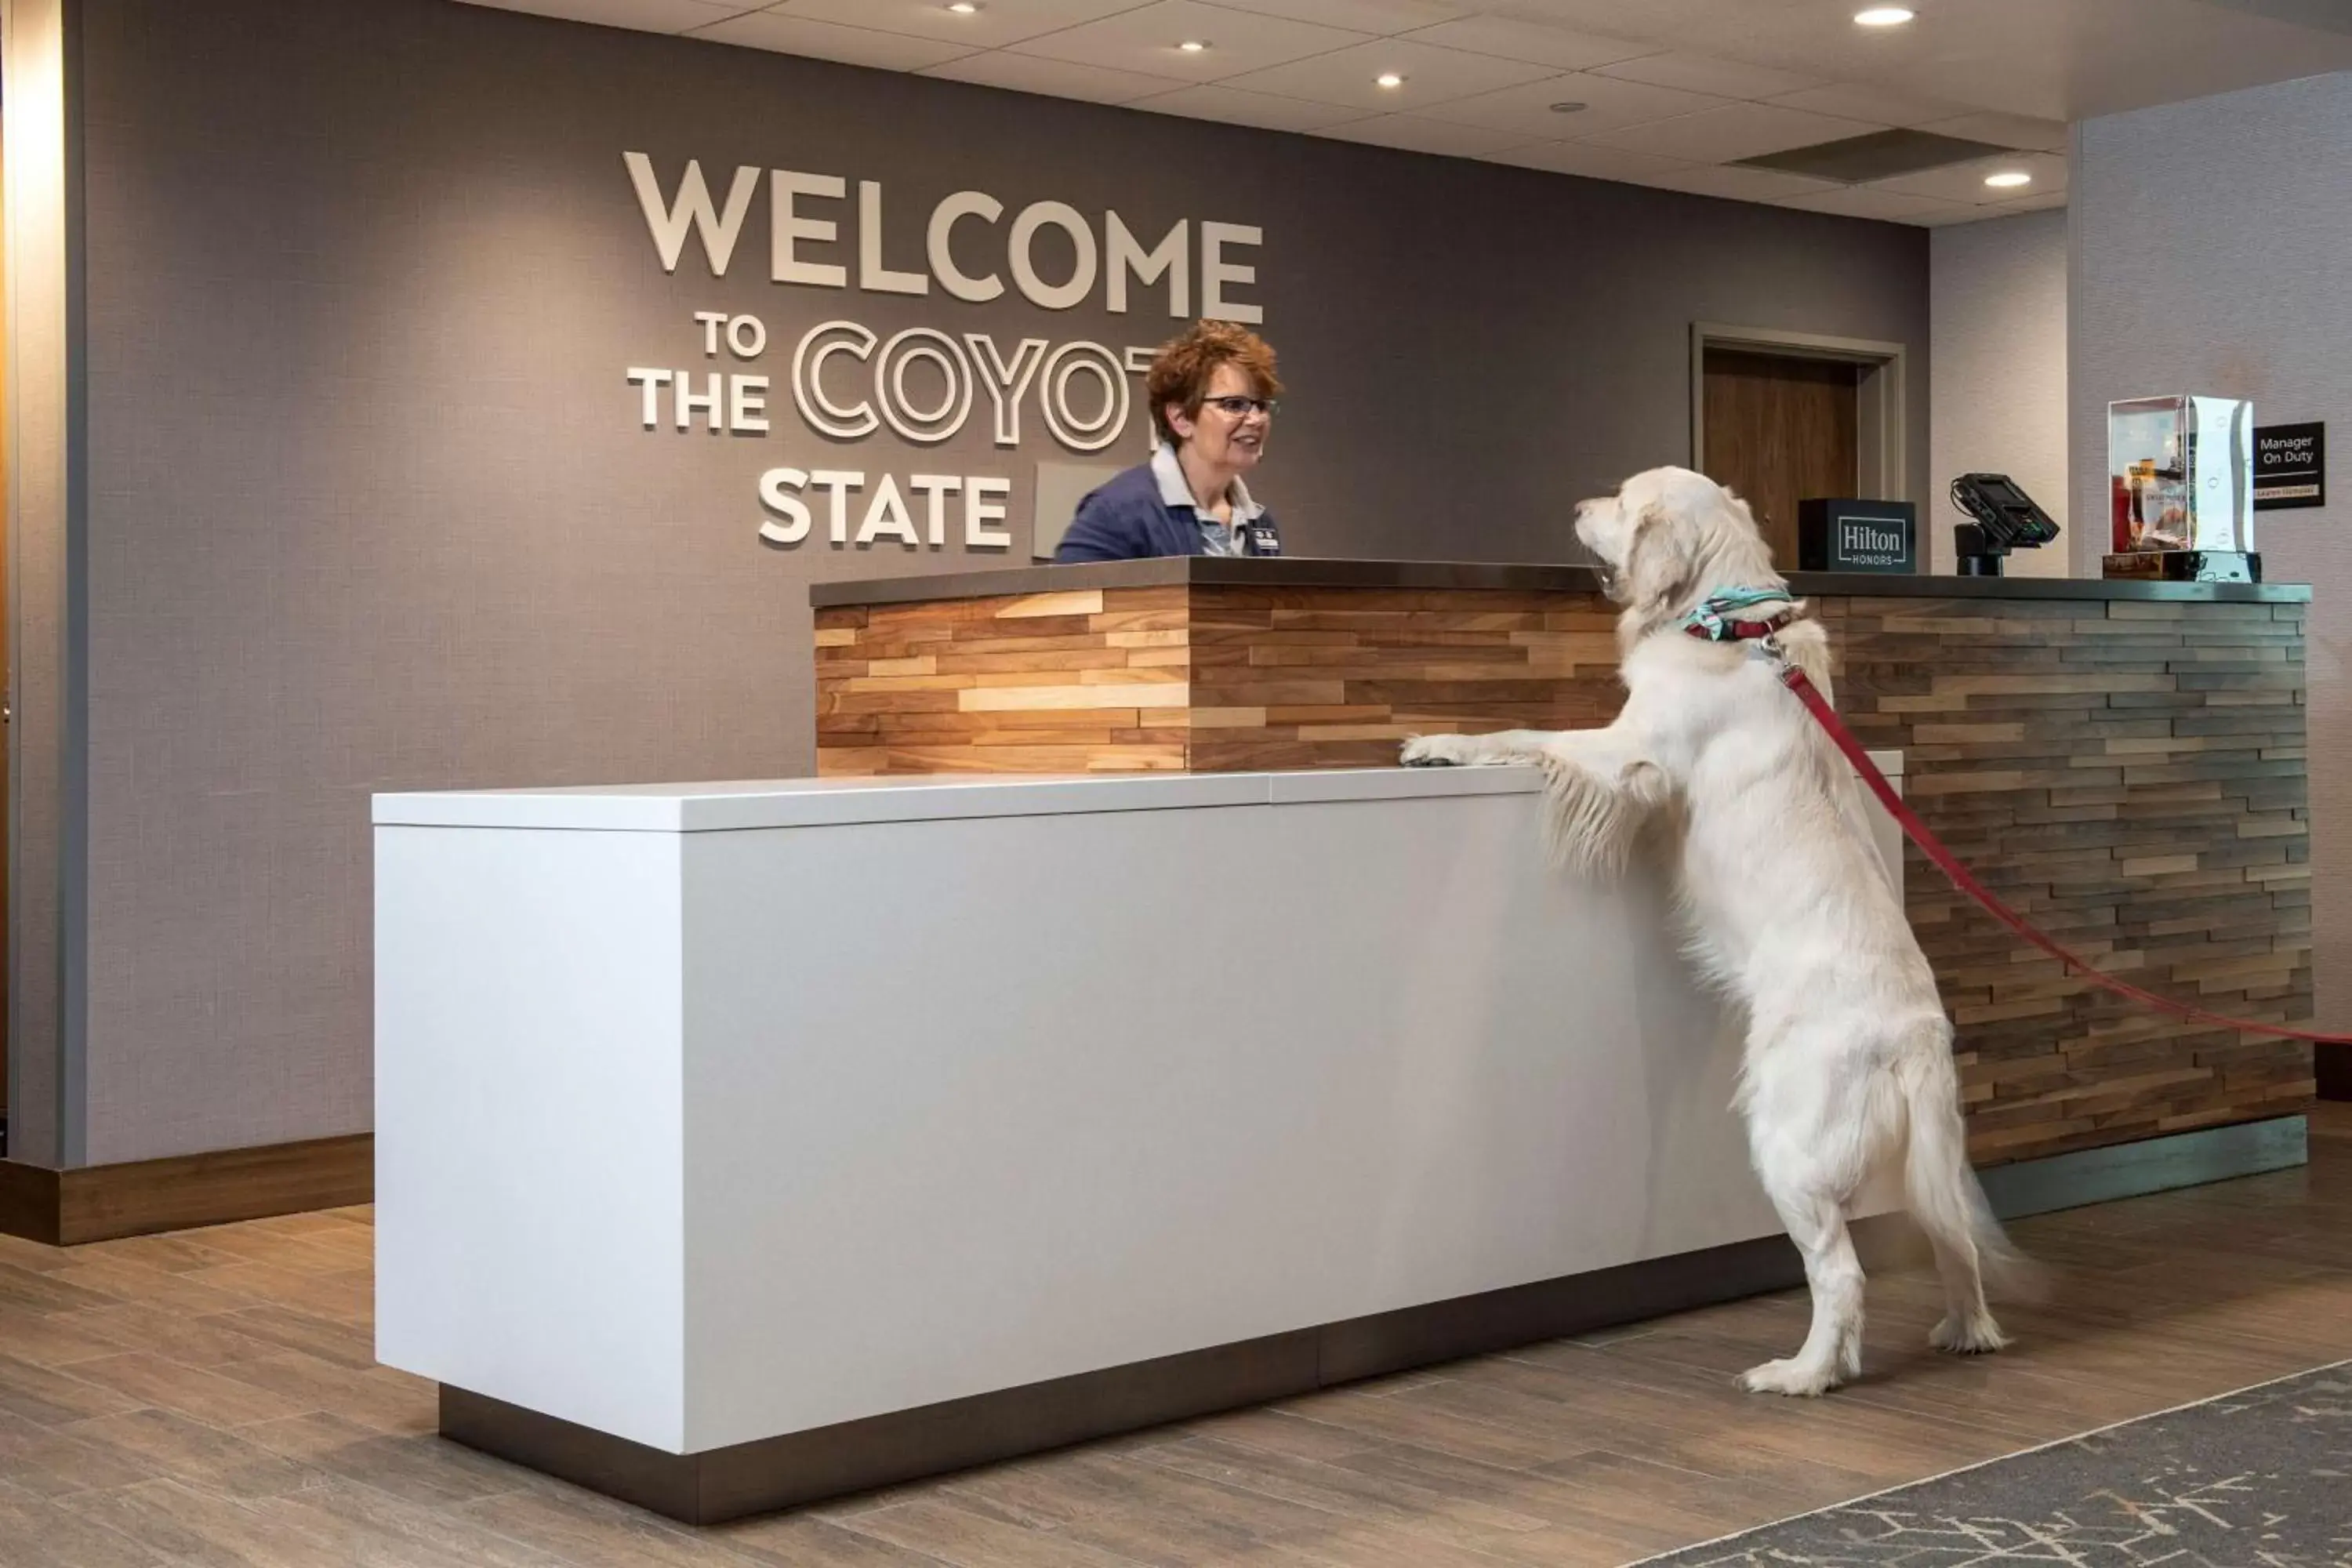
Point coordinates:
[(1856, 536)]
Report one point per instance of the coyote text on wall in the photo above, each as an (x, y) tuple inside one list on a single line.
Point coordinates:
[(924, 383)]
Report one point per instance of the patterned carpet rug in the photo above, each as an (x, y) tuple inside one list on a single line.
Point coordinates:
[(2259, 1479)]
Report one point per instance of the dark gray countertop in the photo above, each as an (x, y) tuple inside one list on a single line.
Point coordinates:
[(1295, 572)]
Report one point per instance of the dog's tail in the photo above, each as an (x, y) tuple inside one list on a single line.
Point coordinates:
[(1941, 1188)]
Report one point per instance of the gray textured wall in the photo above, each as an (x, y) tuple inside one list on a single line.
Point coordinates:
[(1996, 314), (369, 508), (2210, 246)]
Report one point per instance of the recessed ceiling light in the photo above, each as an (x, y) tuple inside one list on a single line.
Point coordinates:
[(1570, 107), (2008, 178), (1191, 46), (1390, 79), (964, 7), (1882, 16)]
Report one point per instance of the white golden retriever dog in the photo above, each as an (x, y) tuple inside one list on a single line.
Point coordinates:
[(1848, 1057)]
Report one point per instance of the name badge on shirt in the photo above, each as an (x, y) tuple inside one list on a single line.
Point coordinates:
[(1263, 540)]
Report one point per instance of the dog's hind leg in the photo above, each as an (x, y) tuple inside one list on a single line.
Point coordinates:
[(1968, 1327), (1832, 1354), (1944, 1198)]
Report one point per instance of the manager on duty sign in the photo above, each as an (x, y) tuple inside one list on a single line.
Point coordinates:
[(2289, 466)]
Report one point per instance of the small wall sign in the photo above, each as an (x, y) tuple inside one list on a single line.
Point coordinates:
[(2289, 466), (1856, 536)]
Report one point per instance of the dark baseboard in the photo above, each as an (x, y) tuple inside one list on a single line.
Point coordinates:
[(771, 1473), (2151, 1165), (98, 1203), (2332, 1065), (722, 1484), (28, 1202), (759, 1477)]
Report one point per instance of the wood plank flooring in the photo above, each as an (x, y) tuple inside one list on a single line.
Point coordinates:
[(211, 1398)]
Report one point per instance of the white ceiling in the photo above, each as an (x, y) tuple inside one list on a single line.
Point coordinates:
[(1674, 91)]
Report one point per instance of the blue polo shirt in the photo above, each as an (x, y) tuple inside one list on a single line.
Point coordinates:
[(1148, 511)]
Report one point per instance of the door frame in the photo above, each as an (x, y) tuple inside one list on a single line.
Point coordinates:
[(1879, 425)]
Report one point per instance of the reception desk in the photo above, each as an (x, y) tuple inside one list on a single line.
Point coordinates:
[(2124, 762), (742, 1144)]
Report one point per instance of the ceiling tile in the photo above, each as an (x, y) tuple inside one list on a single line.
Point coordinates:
[(1704, 73), (1949, 212), (1515, 40), (1592, 163), (2030, 64), (996, 23), (1415, 134), (1145, 40), (2059, 60), (645, 16), (1655, 16), (1965, 182), (1362, 16), (1738, 130), (1742, 185), (1209, 101), (1055, 78), (2004, 130), (831, 41), (1878, 105), (2042, 203), (1609, 105), (1431, 76), (1861, 200), (1708, 26)]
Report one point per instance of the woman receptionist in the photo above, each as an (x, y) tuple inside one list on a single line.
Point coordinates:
[(1212, 393)]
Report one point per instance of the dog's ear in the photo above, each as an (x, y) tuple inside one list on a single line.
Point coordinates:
[(1661, 558), (1739, 509)]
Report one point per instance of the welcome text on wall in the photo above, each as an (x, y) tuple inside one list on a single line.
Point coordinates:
[(923, 384)]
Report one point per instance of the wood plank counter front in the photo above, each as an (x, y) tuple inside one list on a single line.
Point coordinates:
[(2123, 762)]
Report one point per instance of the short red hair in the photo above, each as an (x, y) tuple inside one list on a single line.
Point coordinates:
[(1181, 371)]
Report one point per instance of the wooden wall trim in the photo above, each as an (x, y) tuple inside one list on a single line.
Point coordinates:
[(28, 1202), (98, 1203), (2333, 1066)]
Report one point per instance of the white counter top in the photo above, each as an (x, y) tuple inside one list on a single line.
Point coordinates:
[(732, 805)]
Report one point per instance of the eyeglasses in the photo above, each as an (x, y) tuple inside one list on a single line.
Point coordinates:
[(1239, 407)]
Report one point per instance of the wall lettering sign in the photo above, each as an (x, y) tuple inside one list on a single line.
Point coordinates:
[(923, 385)]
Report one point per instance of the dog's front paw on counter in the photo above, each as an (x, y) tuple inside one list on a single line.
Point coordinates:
[(1439, 751)]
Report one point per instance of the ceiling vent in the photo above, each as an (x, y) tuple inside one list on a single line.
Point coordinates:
[(1880, 156)]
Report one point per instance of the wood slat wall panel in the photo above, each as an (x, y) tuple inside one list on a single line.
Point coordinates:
[(2092, 761), (1094, 680), (2130, 775)]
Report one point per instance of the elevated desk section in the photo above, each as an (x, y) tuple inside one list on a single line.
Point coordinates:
[(2123, 760)]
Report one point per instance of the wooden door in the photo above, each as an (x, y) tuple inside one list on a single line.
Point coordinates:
[(1780, 429)]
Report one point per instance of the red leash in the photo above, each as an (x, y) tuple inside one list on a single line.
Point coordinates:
[(1818, 705)]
